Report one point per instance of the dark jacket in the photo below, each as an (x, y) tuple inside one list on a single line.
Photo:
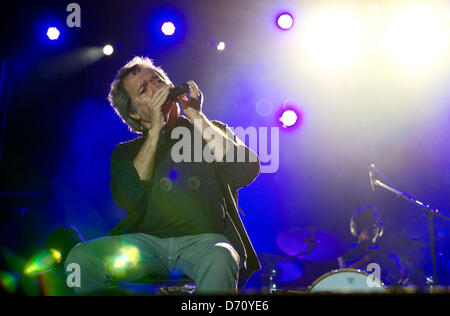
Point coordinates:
[(231, 176)]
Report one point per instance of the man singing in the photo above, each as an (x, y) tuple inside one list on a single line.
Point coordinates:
[(182, 214)]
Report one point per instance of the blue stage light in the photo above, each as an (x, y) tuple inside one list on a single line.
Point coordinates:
[(53, 33), (168, 28)]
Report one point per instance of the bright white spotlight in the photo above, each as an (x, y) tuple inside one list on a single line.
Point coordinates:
[(285, 21), (417, 36), (53, 33), (108, 50), (373, 14), (288, 118), (168, 28), (334, 38), (221, 46)]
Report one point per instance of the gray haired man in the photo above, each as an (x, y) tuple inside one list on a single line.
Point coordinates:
[(183, 216)]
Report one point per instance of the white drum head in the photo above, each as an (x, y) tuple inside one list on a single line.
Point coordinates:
[(344, 281)]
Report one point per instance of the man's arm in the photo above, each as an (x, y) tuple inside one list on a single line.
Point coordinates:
[(360, 264), (127, 189), (238, 173), (145, 158), (218, 136), (131, 174), (214, 137)]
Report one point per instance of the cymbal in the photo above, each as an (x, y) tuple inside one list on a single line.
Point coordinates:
[(409, 250), (408, 244), (267, 258), (311, 244)]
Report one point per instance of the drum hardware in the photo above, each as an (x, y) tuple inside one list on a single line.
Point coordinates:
[(270, 270), (276, 269), (311, 244)]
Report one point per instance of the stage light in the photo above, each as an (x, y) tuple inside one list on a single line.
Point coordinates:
[(9, 282), (64, 237), (221, 46), (373, 14), (288, 118), (334, 38), (57, 255), (417, 36), (40, 263), (129, 256), (285, 21), (53, 33), (108, 50), (168, 28)]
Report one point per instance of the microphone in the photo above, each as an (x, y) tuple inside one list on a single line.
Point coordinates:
[(372, 181), (174, 93)]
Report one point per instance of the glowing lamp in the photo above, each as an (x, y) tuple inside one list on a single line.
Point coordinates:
[(285, 21), (221, 46), (108, 50), (288, 118), (168, 28), (53, 33)]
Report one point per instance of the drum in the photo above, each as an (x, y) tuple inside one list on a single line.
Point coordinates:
[(345, 281)]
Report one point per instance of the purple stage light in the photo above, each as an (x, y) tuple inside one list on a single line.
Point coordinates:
[(289, 117), (168, 28), (221, 46), (53, 33), (285, 21)]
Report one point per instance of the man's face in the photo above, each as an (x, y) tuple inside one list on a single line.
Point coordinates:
[(141, 85), (368, 234)]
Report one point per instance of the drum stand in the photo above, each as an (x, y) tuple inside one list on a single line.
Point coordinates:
[(269, 276), (431, 213)]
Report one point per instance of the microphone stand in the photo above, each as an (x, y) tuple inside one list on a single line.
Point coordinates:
[(431, 212)]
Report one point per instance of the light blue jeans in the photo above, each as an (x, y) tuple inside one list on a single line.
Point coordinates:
[(208, 259)]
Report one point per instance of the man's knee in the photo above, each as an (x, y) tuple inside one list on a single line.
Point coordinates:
[(218, 272), (77, 254), (230, 253), (222, 257)]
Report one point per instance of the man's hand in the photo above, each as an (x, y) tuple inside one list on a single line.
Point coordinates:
[(192, 106), (145, 158), (155, 105), (216, 139)]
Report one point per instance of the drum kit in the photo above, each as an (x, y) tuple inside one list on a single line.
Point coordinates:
[(314, 246)]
